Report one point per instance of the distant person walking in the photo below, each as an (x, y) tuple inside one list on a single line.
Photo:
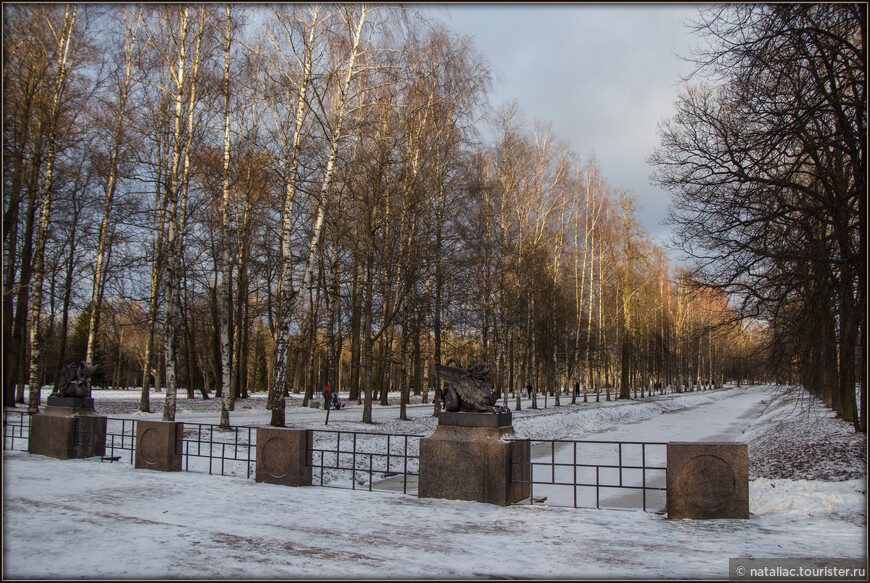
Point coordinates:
[(529, 390)]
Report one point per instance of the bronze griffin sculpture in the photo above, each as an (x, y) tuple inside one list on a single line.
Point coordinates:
[(468, 389), (74, 381)]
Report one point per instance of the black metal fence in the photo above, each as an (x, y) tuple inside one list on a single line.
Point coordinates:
[(219, 450), (16, 429), (579, 474), (598, 474), (374, 461), (120, 439), (341, 459)]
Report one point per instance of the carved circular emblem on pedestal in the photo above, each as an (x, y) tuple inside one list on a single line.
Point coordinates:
[(706, 482), (275, 457), (149, 446)]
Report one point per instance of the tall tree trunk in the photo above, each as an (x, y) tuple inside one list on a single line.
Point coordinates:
[(226, 264), (532, 348), (356, 316), (403, 373), (101, 264), (24, 176), (68, 285), (173, 233), (331, 299), (156, 271), (368, 341), (45, 209), (439, 286), (15, 350)]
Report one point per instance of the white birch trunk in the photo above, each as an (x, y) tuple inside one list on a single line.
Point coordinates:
[(45, 210), (225, 251), (286, 296), (156, 268), (173, 232), (588, 366)]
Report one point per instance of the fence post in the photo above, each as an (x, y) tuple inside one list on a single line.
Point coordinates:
[(284, 456), (707, 480), (158, 445)]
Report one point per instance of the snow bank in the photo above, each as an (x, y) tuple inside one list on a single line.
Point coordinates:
[(845, 500), (804, 462), (798, 438)]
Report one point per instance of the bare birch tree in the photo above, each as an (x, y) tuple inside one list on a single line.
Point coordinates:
[(225, 261), (289, 294), (64, 41), (132, 20)]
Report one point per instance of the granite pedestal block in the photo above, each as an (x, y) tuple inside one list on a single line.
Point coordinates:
[(471, 456), (79, 405), (284, 456), (68, 428), (708, 480), (158, 445)]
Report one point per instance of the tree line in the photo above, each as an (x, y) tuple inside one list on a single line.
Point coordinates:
[(767, 160), (233, 198)]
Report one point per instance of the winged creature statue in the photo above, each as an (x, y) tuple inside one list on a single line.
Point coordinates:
[(74, 381), (468, 389)]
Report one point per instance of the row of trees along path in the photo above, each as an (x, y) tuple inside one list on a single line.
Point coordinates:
[(236, 198)]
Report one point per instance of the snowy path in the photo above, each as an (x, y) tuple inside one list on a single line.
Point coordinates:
[(722, 416), (728, 413)]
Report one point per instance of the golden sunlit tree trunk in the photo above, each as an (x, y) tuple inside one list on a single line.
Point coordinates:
[(45, 196)]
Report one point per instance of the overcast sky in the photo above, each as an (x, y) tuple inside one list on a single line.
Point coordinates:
[(604, 75)]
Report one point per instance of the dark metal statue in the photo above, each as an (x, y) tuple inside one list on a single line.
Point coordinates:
[(468, 389), (74, 381)]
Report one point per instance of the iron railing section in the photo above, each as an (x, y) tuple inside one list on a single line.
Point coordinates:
[(357, 460), (390, 462), (16, 429), (225, 451), (120, 439), (204, 447), (579, 467)]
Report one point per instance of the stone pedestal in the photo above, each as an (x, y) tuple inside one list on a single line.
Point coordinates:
[(68, 428), (284, 456), (470, 457), (708, 480), (158, 445)]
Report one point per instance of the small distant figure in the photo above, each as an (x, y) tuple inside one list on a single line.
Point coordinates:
[(336, 402), (327, 397), (529, 390)]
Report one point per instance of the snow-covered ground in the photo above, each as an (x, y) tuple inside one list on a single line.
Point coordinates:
[(86, 519)]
